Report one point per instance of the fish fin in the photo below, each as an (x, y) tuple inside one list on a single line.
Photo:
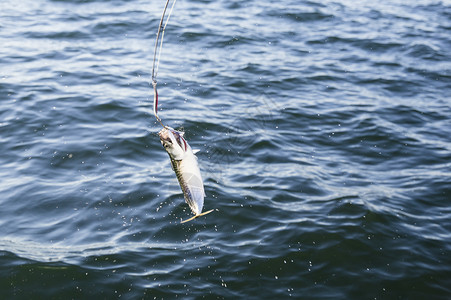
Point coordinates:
[(181, 133), (190, 219), (196, 216), (195, 151)]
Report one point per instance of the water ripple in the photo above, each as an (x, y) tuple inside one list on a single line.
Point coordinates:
[(323, 130)]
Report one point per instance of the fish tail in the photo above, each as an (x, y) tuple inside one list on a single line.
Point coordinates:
[(196, 216)]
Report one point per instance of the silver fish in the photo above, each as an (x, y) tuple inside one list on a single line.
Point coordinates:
[(184, 163)]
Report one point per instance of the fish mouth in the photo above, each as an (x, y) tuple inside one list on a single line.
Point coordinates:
[(164, 135)]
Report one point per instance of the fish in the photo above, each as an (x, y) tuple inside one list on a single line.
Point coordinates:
[(186, 168)]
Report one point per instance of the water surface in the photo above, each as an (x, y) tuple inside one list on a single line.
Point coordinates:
[(324, 137)]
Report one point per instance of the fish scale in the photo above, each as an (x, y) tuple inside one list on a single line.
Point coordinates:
[(183, 185)]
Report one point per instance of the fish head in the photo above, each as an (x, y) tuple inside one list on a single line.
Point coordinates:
[(173, 142)]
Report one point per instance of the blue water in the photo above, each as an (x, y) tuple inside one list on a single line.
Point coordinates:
[(324, 137)]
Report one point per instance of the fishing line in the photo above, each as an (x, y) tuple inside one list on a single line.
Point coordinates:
[(161, 30)]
